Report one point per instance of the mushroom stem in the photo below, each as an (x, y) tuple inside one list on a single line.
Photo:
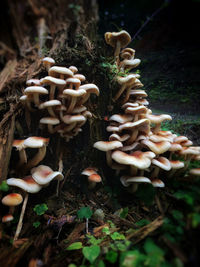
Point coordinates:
[(157, 128), (133, 136), (155, 172), (108, 158), (52, 91), (22, 157), (51, 112), (91, 184), (117, 49), (133, 170), (119, 93), (37, 158), (127, 95), (134, 187), (36, 99), (19, 226), (72, 105), (50, 128)]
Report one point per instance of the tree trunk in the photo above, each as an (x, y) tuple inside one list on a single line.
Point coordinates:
[(66, 31)]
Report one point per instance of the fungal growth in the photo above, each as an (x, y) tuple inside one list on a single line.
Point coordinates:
[(62, 98), (137, 148)]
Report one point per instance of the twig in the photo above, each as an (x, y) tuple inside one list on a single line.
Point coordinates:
[(157, 11)]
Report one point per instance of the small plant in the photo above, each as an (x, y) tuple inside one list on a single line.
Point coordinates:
[(85, 213), (40, 209), (4, 187)]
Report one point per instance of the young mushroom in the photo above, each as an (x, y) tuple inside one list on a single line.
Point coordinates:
[(12, 200), (28, 185), (19, 145)]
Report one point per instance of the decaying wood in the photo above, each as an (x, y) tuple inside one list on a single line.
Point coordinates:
[(140, 234)]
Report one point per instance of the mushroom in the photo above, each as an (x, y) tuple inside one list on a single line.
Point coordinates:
[(7, 218), (29, 186), (19, 145), (48, 62), (128, 64), (43, 175), (73, 95), (158, 147), (90, 88), (93, 176), (117, 40), (50, 105), (36, 142), (160, 163), (136, 159), (73, 69), (61, 72), (73, 83), (50, 121), (107, 146), (32, 82), (35, 91), (126, 84), (127, 53), (12, 200), (175, 165), (135, 181), (53, 82), (158, 119)]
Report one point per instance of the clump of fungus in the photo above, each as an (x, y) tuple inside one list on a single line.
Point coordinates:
[(145, 153), (62, 93)]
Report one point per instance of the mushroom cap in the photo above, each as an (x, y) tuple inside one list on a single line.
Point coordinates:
[(157, 183), (127, 180), (68, 119), (50, 120), (32, 82), (176, 164), (127, 53), (142, 102), (48, 60), (51, 80), (175, 147), (94, 178), (128, 80), (81, 77), (112, 128), (50, 103), (129, 104), (123, 37), (158, 118), (44, 175), (117, 137), (180, 139), (136, 110), (131, 147), (157, 148), (138, 93), (131, 63), (35, 90), (136, 124), (55, 70), (89, 171), (73, 80), (73, 69), (189, 151), (27, 184), (13, 199), (74, 93), (7, 218), (162, 163), (121, 118), (36, 142), (19, 144), (90, 88), (139, 159), (195, 171), (159, 138), (107, 145), (79, 109)]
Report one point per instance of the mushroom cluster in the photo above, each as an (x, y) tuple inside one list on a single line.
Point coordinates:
[(40, 176), (61, 96), (137, 146)]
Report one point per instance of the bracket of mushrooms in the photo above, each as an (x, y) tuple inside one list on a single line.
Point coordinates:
[(137, 149), (61, 96)]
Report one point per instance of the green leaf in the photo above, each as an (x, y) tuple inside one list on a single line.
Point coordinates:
[(36, 224), (84, 213), (40, 208), (106, 230), (111, 256), (93, 241), (91, 253), (155, 255), (178, 215), (132, 258), (4, 187), (75, 246), (142, 222), (100, 264), (187, 197), (195, 219), (117, 236), (124, 213)]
